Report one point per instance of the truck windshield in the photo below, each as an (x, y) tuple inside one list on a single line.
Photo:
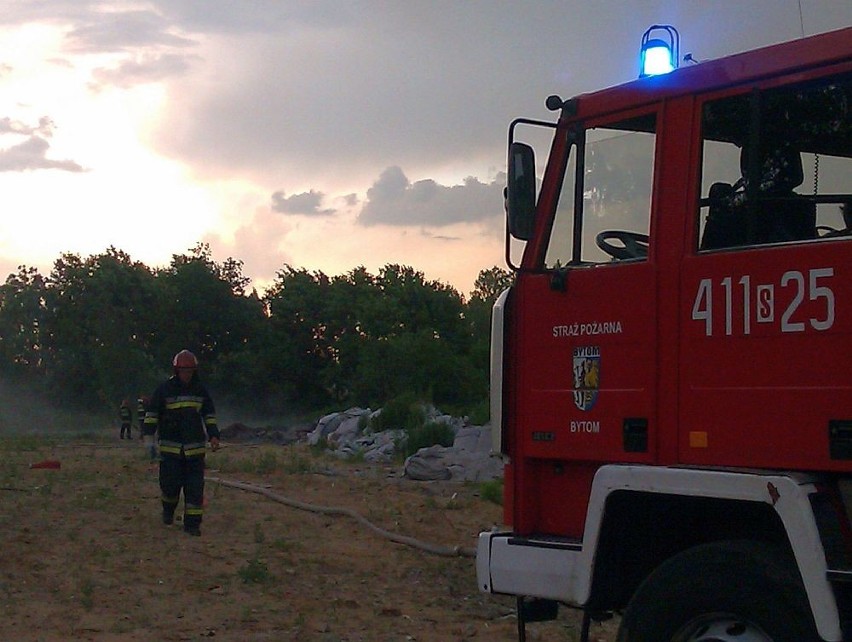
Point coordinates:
[(616, 186)]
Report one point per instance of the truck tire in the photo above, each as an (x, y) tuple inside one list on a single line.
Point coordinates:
[(730, 591)]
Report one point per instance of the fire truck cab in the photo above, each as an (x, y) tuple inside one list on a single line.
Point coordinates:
[(671, 371)]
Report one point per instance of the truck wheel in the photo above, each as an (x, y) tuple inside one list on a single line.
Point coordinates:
[(737, 591)]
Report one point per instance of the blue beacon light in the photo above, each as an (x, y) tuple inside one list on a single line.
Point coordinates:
[(659, 54)]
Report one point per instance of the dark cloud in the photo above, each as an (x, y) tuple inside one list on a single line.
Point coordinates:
[(305, 203), (394, 200)]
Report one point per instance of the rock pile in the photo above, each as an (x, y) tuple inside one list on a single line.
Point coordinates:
[(468, 459)]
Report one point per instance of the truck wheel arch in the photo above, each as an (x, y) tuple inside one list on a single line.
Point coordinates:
[(637, 516), (641, 530)]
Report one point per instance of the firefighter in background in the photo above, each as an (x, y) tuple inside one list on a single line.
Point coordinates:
[(125, 416), (182, 412), (140, 415)]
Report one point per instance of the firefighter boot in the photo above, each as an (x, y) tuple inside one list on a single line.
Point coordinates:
[(192, 523)]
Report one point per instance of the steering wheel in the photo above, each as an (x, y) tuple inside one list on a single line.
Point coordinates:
[(632, 245)]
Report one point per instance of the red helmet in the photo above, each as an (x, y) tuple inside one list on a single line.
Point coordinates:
[(184, 359)]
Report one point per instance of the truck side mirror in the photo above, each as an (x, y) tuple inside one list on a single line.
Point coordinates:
[(520, 191)]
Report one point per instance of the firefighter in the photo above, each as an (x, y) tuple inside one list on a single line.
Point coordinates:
[(140, 415), (125, 417), (182, 412)]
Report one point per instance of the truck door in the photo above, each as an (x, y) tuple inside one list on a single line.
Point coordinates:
[(584, 323), (766, 291)]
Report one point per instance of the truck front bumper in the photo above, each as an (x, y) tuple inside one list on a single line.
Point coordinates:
[(512, 565)]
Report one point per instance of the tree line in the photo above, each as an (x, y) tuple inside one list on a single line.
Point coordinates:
[(105, 328)]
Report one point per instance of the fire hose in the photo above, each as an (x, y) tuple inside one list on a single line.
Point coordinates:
[(445, 551)]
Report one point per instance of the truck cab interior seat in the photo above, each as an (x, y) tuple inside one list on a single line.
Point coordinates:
[(781, 214)]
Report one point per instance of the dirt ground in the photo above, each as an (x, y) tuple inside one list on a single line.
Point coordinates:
[(86, 557)]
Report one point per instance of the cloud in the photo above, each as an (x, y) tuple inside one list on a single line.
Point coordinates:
[(394, 200), (31, 155), (110, 30), (44, 128), (304, 203), (261, 243), (146, 68), (342, 97)]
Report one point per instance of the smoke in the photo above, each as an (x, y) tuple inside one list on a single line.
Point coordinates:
[(25, 411)]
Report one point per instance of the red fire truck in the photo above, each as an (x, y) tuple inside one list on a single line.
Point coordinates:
[(672, 367)]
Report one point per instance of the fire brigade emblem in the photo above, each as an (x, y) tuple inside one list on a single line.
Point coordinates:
[(587, 373)]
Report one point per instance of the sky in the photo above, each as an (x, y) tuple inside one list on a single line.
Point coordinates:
[(320, 134)]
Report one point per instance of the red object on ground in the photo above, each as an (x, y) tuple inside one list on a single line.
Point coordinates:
[(50, 464)]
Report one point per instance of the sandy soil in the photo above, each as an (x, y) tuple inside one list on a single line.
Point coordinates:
[(86, 557)]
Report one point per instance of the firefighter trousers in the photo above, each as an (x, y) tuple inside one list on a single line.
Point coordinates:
[(183, 473)]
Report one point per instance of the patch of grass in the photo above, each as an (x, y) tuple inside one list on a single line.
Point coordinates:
[(87, 593), (296, 464), (455, 502), (266, 463), (357, 457), (283, 545), (258, 462), (29, 443), (320, 447), (255, 571), (247, 615), (46, 488), (492, 491)]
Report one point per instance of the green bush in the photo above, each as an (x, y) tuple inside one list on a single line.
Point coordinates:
[(429, 434), (404, 412), (480, 413), (364, 423)]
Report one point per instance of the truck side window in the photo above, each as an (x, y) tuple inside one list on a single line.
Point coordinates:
[(616, 204), (788, 181)]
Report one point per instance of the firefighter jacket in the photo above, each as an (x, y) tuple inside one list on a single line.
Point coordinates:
[(124, 413), (184, 416)]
